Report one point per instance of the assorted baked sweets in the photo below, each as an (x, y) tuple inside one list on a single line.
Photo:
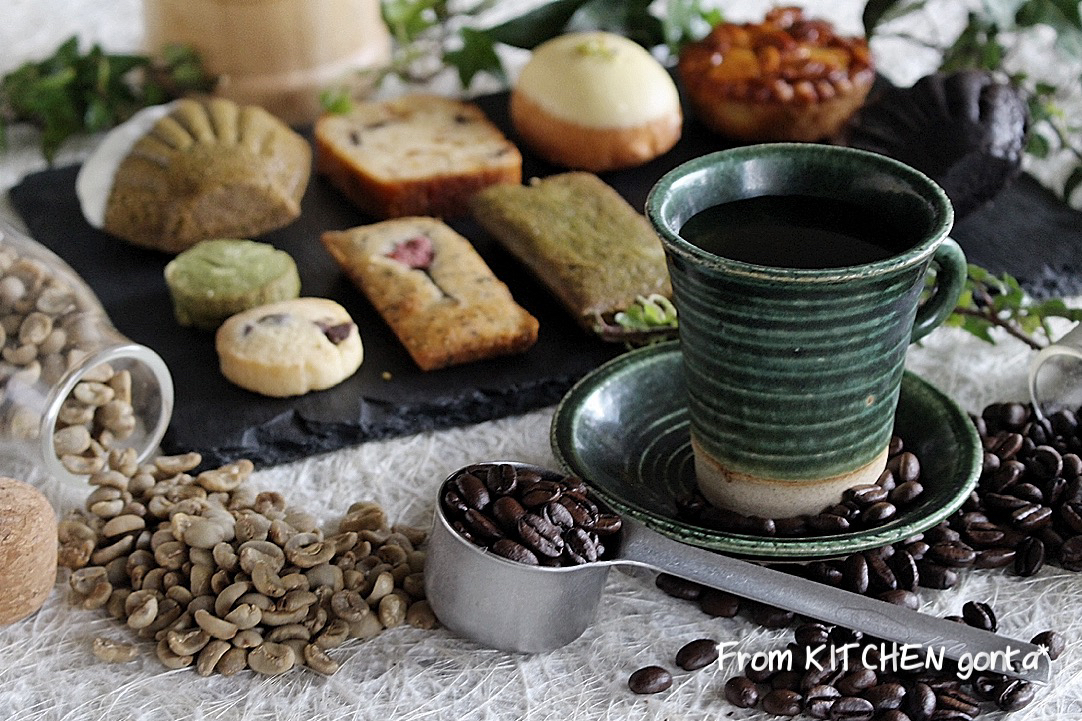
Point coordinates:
[(595, 101), (191, 170), (290, 347), (217, 278), (581, 239), (435, 292), (786, 78), (414, 155)]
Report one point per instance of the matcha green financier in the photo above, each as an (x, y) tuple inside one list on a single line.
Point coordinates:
[(215, 279)]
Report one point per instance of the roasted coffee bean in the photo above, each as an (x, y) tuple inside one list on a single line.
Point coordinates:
[(901, 597), (827, 524), (1071, 516), (933, 575), (942, 533), (887, 480), (979, 615), (812, 634), (507, 512), (852, 708), (855, 573), (1015, 694), (982, 534), (1008, 473), (818, 700), (789, 680), (1070, 554), (985, 685), (895, 446), (879, 513), (719, 604), (514, 551), (1072, 466), (558, 515), (905, 466), (1031, 517), (1007, 445), (582, 511), (472, 490), (540, 493), (1046, 462), (540, 536), (866, 495), (769, 616), (905, 570), (483, 527), (607, 524), (824, 572), (1027, 492), (791, 527), (501, 479), (920, 702), (880, 577), (905, 493), (650, 679), (856, 681), (741, 692), (885, 696), (678, 587), (1039, 430), (1029, 556), (697, 654), (994, 558), (825, 676), (1052, 540), (958, 701), (453, 502), (783, 702), (916, 549), (1053, 642), (952, 554), (581, 546)]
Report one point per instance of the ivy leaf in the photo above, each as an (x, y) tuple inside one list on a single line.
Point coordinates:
[(1064, 16), (877, 12), (1073, 181), (408, 19), (536, 26), (478, 54)]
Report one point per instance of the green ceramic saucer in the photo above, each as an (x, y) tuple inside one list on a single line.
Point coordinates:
[(624, 430)]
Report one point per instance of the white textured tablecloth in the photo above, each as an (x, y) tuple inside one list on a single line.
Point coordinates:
[(47, 671)]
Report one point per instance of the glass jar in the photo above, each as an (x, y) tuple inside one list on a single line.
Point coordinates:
[(71, 386), (276, 53)]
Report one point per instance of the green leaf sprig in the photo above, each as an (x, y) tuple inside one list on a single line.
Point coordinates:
[(990, 302), (73, 92), (648, 320), (430, 36)]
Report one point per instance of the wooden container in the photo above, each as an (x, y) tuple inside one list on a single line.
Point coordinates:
[(276, 53)]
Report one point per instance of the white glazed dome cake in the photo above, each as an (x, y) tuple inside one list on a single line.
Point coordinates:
[(595, 101)]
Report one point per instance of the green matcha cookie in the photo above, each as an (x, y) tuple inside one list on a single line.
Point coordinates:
[(215, 279)]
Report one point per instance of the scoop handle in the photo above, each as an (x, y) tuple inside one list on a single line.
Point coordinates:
[(642, 546)]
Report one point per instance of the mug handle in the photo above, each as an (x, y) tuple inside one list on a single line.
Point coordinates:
[(950, 281)]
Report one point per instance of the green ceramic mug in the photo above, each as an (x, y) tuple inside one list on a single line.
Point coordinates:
[(792, 372)]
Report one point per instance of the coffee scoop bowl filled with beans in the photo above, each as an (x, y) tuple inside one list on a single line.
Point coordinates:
[(519, 555)]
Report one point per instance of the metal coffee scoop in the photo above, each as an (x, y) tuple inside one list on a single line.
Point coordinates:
[(512, 606)]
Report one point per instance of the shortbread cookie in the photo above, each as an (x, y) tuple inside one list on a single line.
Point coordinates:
[(414, 155), (290, 347), (217, 278), (434, 290)]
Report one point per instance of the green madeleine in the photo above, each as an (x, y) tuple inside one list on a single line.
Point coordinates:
[(215, 279)]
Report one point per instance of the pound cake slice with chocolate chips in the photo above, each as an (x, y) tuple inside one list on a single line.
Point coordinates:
[(414, 155), (435, 292)]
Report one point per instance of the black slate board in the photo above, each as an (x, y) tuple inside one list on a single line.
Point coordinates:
[(1025, 231)]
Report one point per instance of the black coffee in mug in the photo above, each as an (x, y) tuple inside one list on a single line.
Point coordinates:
[(797, 231)]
